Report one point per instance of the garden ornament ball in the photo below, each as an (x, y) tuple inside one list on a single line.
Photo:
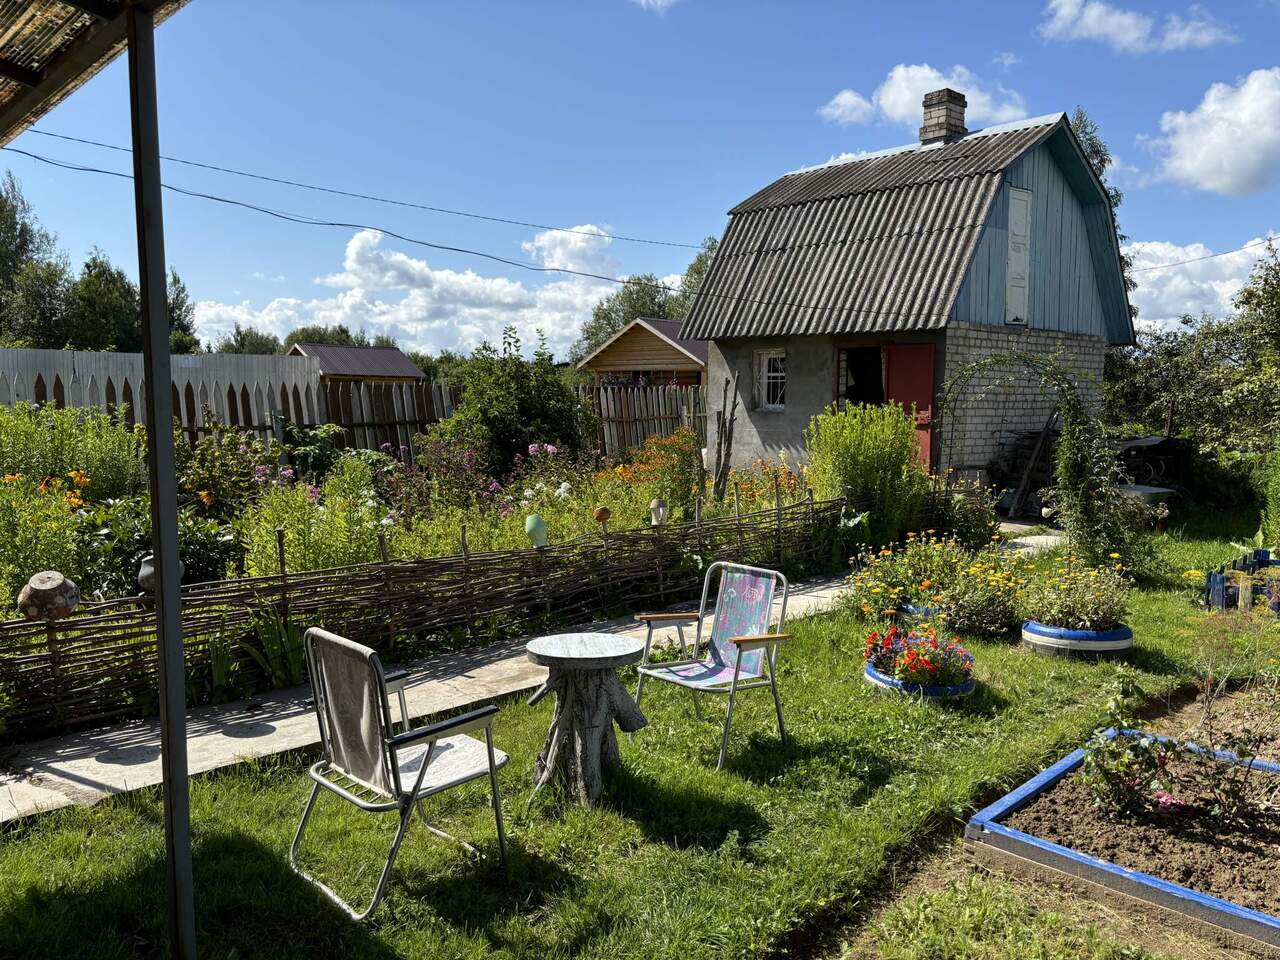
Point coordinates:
[(602, 514), (48, 596), (147, 573), (535, 528), (658, 511)]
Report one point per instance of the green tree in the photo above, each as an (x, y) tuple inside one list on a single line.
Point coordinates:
[(509, 402), (36, 314), (1099, 156), (680, 303), (102, 308), (338, 334), (22, 238), (447, 367), (182, 317), (247, 340)]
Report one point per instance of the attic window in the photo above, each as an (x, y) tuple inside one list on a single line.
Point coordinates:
[(771, 380)]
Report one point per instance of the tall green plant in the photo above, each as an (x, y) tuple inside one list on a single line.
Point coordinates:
[(1271, 498), (43, 441), (869, 454)]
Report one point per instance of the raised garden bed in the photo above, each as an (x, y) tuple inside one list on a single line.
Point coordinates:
[(929, 692), (1209, 876), (1043, 638)]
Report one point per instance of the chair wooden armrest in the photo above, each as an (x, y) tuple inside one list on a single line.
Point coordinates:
[(757, 641), (668, 617)]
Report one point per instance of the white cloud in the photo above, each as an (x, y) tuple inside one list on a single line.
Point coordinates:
[(1206, 286), (847, 106), (275, 278), (655, 6), (897, 99), (1230, 143), (382, 290), (1006, 59), (1130, 31)]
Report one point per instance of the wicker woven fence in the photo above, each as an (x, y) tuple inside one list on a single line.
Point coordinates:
[(100, 664)]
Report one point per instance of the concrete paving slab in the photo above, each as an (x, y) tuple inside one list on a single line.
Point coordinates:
[(82, 768)]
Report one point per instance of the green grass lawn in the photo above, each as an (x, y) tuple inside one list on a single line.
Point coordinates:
[(678, 861)]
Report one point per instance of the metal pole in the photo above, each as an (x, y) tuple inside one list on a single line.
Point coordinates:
[(140, 26)]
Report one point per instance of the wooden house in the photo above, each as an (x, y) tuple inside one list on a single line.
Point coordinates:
[(648, 351), (879, 278)]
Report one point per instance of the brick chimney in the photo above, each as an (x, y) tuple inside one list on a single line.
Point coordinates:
[(943, 116)]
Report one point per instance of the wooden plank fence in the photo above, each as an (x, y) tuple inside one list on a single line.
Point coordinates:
[(630, 415), (243, 390), (100, 663)]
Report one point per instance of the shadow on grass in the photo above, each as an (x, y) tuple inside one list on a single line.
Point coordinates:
[(683, 817), (766, 761), (248, 904)]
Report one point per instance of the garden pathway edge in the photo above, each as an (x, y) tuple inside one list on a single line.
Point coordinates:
[(84, 767)]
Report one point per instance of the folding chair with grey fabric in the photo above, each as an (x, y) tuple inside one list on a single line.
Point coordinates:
[(741, 652), (378, 770)]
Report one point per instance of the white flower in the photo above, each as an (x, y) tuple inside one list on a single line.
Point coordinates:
[(562, 491), (386, 521), (528, 494), (539, 485)]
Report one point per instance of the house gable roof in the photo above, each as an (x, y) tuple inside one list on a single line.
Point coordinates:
[(880, 242), (365, 363), (666, 330)]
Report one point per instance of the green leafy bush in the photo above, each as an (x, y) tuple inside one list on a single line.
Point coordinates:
[(225, 470), (1271, 499), (967, 512), (41, 442), (333, 525), (508, 403), (869, 454), (984, 596), (39, 525)]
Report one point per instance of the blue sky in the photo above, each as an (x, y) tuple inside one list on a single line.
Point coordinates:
[(648, 118)]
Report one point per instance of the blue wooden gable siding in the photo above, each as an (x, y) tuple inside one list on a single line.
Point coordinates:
[(1064, 292)]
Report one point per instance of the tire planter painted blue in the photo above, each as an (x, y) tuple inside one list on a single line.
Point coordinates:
[(874, 676), (1046, 639), (1014, 849)]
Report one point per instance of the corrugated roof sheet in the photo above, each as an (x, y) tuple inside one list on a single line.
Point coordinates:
[(370, 363), (878, 243)]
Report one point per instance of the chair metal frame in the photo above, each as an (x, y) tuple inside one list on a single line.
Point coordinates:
[(769, 642), (329, 776)]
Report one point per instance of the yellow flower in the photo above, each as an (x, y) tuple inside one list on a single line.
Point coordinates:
[(73, 499), (1114, 556), (205, 497), (12, 477), (79, 478)]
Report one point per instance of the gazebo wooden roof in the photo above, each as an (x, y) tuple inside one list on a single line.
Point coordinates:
[(48, 48)]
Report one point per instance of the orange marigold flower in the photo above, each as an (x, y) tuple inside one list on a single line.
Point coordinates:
[(205, 497)]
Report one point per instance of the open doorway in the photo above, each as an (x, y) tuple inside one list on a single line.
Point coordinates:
[(861, 375)]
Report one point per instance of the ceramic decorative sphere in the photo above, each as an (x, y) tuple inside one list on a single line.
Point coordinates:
[(48, 596), (535, 529)]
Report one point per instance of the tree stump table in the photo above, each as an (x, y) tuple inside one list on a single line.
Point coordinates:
[(589, 698)]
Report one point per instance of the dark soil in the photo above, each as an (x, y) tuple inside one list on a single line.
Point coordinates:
[(1234, 863)]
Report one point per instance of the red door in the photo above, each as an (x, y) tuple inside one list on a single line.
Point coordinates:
[(909, 381)]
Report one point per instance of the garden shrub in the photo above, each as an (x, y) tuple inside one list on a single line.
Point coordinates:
[(39, 522), (111, 538), (509, 402), (312, 450), (869, 454), (1271, 500), (984, 596), (225, 469), (332, 525), (1077, 596), (40, 442), (672, 467), (967, 512)]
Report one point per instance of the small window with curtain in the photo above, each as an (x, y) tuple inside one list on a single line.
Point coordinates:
[(771, 380)]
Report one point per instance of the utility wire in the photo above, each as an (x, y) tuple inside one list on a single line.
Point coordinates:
[(1208, 256), (535, 268), (367, 196)]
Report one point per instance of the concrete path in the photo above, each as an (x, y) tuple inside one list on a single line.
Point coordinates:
[(83, 768)]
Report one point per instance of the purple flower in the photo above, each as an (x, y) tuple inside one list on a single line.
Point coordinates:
[(535, 449), (261, 473), (313, 492), (286, 474), (494, 486), (550, 449), (385, 447)]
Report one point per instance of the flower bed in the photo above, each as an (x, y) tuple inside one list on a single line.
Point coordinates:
[(1078, 610), (918, 663), (1212, 871)]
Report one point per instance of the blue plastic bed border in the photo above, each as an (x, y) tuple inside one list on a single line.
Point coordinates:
[(984, 827)]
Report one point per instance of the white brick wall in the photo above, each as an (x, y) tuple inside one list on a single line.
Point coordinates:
[(1001, 402)]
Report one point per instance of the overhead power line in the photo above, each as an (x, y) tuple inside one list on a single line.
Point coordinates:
[(337, 191), (465, 251), (1207, 256)]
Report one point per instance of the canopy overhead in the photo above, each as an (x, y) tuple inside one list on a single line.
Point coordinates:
[(48, 48)]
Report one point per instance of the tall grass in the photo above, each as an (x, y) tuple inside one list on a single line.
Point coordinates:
[(39, 442), (869, 453)]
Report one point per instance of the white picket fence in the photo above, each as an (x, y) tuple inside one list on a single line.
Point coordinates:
[(244, 390)]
